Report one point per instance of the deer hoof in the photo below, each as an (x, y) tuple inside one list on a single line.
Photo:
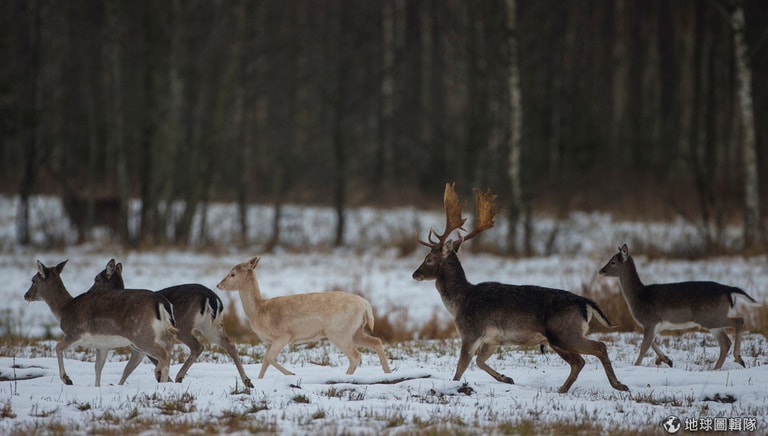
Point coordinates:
[(740, 362), (621, 387), (67, 381), (505, 379), (248, 383), (179, 379)]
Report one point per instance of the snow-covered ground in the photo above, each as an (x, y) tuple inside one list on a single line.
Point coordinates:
[(419, 395)]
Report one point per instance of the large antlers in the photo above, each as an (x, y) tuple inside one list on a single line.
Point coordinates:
[(454, 221)]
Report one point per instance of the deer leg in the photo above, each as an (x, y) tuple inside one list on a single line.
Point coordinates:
[(575, 360), (725, 345), (133, 362), (363, 339), (738, 326), (163, 356), (270, 357), (61, 346), (648, 335), (599, 350), (465, 357), (485, 351), (195, 349), (220, 339), (660, 356), (101, 357), (348, 348)]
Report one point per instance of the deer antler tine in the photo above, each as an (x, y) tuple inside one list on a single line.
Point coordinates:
[(453, 219), (485, 212), (420, 241)]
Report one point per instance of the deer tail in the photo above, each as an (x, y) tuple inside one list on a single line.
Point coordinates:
[(594, 309), (739, 292)]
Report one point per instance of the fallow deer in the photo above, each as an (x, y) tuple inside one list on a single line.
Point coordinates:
[(676, 306), (490, 314), (105, 320), (346, 320), (197, 310)]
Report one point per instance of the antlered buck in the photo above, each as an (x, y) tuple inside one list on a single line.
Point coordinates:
[(490, 314), (676, 306), (197, 310), (105, 320), (346, 320)]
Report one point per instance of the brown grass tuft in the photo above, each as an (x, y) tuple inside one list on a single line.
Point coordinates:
[(238, 329)]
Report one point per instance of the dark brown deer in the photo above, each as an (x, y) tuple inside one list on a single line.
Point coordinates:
[(490, 314), (105, 320), (197, 310), (676, 306)]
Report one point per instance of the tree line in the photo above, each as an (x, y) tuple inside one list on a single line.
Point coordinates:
[(638, 107)]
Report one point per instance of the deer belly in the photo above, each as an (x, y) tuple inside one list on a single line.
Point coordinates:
[(666, 325), (497, 336), (102, 341)]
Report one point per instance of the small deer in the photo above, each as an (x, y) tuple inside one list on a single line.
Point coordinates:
[(105, 320), (677, 306), (346, 320), (197, 310), (490, 314)]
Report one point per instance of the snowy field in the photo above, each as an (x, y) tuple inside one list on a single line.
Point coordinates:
[(419, 396)]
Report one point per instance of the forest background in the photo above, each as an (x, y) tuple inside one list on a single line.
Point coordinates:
[(649, 110)]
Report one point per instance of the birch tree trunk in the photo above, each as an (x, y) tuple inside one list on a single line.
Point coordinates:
[(747, 116), (116, 137), (515, 125)]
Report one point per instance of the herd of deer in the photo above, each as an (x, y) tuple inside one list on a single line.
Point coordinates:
[(486, 315)]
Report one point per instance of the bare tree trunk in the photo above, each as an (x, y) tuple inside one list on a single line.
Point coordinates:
[(384, 155), (515, 126), (747, 115), (117, 130), (29, 25), (339, 100), (620, 73)]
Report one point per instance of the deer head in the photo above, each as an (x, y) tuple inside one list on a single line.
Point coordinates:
[(442, 247)]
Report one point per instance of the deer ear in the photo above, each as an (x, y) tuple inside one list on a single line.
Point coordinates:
[(451, 246), (253, 262), (457, 245), (41, 269), (60, 267), (624, 252), (110, 269), (119, 268)]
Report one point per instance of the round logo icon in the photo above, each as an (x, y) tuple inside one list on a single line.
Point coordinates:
[(671, 424)]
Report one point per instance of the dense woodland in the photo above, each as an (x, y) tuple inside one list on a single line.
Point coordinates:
[(648, 109)]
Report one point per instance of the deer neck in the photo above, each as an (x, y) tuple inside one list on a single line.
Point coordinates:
[(250, 295), (451, 283), (629, 280), (58, 298)]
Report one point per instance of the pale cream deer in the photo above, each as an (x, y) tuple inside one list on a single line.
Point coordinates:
[(346, 320)]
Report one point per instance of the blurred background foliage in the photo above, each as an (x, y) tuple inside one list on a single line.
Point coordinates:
[(626, 106)]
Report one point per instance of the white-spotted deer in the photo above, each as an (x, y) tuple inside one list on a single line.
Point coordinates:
[(490, 314), (197, 310), (106, 320), (346, 320), (676, 306)]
